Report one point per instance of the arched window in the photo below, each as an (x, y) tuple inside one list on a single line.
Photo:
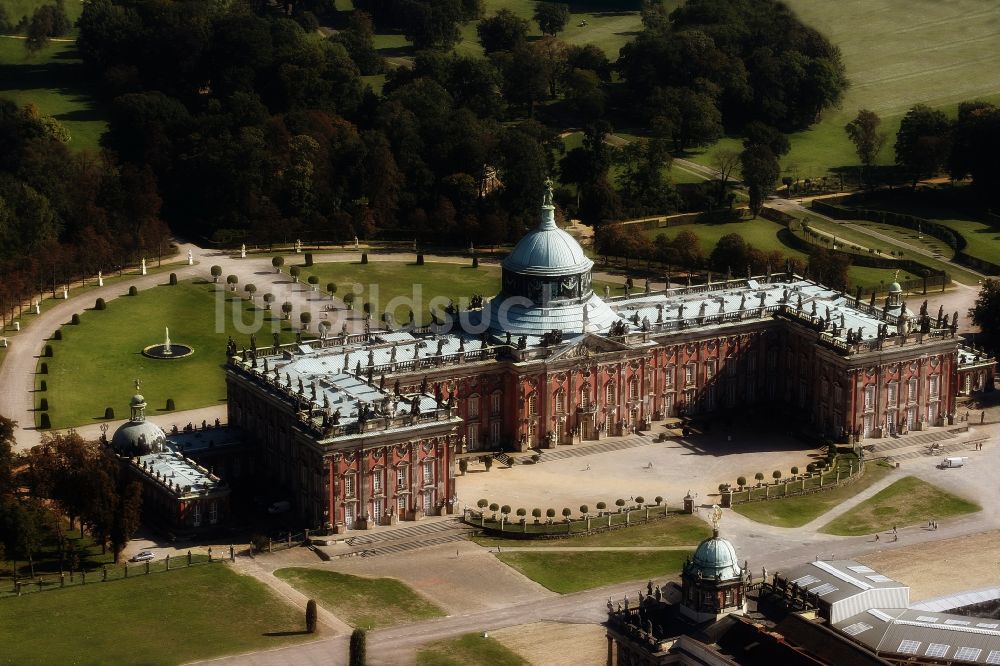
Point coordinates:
[(609, 394), (473, 406)]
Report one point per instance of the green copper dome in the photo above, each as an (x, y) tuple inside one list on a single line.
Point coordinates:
[(715, 558)]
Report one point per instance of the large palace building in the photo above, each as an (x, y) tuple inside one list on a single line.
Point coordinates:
[(363, 429)]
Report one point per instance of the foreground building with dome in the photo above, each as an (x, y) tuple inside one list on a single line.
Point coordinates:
[(363, 429)]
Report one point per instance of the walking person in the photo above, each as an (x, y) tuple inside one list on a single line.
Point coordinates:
[(876, 536), (982, 417)]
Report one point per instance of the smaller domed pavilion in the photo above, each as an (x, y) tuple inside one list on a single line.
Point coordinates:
[(138, 436), (713, 582)]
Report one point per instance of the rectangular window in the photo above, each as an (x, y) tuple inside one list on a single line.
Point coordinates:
[(869, 397), (196, 514), (609, 394), (533, 405), (377, 482), (584, 400), (401, 476), (428, 473), (428, 502), (560, 402), (934, 386), (401, 504), (911, 391), (474, 407), (472, 437), (213, 513), (349, 515), (668, 377), (689, 374), (496, 403), (377, 512), (349, 485), (709, 369), (892, 393), (495, 433), (633, 389)]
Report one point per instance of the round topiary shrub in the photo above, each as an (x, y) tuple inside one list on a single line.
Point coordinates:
[(57, 335), (99, 304), (43, 369), (75, 319), (133, 291), (364, 257), (43, 404), (109, 413), (44, 422), (173, 279), (309, 259), (170, 405), (475, 262), (420, 259), (48, 350)]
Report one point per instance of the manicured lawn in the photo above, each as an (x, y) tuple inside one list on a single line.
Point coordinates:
[(761, 233), (797, 511), (468, 650), (95, 364), (679, 530), (908, 501), (399, 287), (896, 55), (983, 239), (54, 81), (170, 618), (575, 571), (362, 602)]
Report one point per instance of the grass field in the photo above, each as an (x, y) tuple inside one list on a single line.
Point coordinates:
[(95, 363), (908, 501), (361, 602), (797, 511), (173, 618), (54, 81), (582, 570), (761, 233), (399, 286), (983, 238), (897, 55), (468, 650), (680, 530)]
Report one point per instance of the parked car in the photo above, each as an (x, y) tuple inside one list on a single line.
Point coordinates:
[(142, 556)]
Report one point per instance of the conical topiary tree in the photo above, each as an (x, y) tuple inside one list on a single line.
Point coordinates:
[(311, 616), (358, 641)]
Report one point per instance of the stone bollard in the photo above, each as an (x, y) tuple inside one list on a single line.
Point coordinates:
[(209, 553), (232, 553), (189, 558), (39, 584), (168, 563), (17, 588), (62, 579), (126, 569), (83, 577), (147, 567), (104, 574), (17, 326)]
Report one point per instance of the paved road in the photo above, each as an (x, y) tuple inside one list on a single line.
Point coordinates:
[(788, 204)]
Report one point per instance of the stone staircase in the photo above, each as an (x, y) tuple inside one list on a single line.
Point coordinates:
[(402, 539), (576, 450), (936, 442)]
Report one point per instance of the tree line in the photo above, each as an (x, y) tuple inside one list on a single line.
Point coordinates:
[(64, 478), (64, 214), (929, 143), (254, 125)]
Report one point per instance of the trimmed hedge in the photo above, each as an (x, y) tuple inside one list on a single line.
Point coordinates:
[(99, 304), (133, 291), (75, 319)]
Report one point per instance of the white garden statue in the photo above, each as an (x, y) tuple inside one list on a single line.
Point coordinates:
[(190, 258), (243, 251), (100, 279), (143, 266), (65, 293)]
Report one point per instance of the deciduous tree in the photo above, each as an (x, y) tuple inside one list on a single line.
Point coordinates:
[(866, 136), (551, 17), (760, 171)]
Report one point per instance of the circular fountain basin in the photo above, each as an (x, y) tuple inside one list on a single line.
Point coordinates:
[(160, 351)]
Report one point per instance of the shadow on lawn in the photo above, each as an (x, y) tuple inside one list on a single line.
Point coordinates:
[(284, 633)]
